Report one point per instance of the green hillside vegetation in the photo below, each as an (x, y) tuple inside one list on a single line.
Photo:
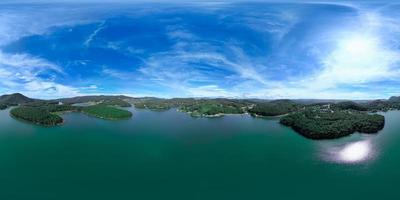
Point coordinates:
[(323, 123), (274, 108), (382, 105), (157, 104), (53, 108), (106, 112), (209, 108), (345, 105), (196, 107), (394, 99), (84, 99), (115, 102), (36, 115), (154, 104)]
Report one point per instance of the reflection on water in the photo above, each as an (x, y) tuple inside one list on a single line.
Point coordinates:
[(355, 152), (348, 151)]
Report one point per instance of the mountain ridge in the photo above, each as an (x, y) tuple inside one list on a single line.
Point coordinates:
[(15, 98), (18, 98)]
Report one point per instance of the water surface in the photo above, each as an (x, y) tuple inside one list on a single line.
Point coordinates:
[(170, 155)]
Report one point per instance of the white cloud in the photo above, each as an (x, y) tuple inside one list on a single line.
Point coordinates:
[(209, 91), (363, 53), (21, 72), (360, 56), (94, 33), (194, 67), (46, 90)]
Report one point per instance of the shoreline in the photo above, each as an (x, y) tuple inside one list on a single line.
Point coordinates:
[(266, 117), (105, 118), (211, 116)]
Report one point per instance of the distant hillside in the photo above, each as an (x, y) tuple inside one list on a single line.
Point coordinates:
[(16, 98), (82, 99), (394, 99)]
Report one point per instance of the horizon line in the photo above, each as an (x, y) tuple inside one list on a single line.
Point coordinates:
[(210, 97)]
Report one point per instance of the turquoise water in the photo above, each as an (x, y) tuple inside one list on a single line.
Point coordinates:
[(169, 155)]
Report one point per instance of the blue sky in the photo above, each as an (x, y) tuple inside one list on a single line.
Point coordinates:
[(346, 50)]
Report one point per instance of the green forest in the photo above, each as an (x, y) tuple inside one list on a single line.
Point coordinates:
[(327, 124), (153, 104), (36, 115), (115, 102), (206, 108), (274, 108)]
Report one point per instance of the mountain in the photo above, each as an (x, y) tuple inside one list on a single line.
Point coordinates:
[(82, 99), (16, 98), (394, 99)]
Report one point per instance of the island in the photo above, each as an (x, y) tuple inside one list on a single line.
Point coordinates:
[(325, 123), (36, 115)]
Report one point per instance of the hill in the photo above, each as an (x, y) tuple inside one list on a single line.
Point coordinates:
[(394, 99), (15, 99), (83, 99)]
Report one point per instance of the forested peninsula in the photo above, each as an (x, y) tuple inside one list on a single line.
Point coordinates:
[(314, 119)]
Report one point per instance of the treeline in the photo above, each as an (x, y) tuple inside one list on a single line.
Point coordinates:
[(212, 108), (346, 105), (197, 107), (84, 99), (154, 104), (274, 108), (115, 102)]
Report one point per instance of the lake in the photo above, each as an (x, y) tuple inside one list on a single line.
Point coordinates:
[(170, 155)]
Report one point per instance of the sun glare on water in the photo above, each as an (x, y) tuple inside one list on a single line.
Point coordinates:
[(355, 152)]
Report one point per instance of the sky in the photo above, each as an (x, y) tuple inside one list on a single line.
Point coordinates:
[(233, 49)]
